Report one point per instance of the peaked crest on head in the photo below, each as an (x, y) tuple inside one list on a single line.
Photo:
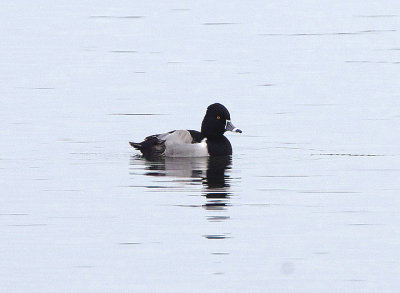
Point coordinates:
[(218, 109)]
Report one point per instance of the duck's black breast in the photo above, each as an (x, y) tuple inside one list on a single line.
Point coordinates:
[(219, 146)]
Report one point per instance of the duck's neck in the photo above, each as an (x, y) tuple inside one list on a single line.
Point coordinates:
[(211, 130)]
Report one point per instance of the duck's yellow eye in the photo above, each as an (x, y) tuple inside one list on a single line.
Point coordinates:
[(218, 117)]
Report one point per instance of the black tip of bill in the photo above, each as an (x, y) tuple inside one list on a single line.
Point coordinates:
[(230, 127)]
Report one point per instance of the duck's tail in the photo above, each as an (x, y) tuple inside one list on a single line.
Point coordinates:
[(136, 145), (150, 147)]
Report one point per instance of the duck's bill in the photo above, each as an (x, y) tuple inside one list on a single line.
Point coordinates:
[(230, 127)]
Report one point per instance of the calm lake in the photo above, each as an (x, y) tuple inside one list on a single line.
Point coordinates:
[(309, 201)]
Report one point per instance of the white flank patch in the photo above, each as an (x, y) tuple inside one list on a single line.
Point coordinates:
[(179, 144)]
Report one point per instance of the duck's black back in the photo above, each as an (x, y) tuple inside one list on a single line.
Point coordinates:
[(196, 136)]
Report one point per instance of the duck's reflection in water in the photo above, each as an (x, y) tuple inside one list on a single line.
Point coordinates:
[(217, 183), (211, 172), (192, 169)]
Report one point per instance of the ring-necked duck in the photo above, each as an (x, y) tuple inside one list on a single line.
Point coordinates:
[(191, 143)]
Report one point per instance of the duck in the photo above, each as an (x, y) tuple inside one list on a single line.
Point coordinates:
[(210, 141)]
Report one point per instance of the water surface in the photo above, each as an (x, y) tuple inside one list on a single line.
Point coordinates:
[(307, 203)]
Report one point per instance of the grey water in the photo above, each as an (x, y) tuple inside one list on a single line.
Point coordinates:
[(309, 201)]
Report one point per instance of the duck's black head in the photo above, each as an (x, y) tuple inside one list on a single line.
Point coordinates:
[(217, 121)]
